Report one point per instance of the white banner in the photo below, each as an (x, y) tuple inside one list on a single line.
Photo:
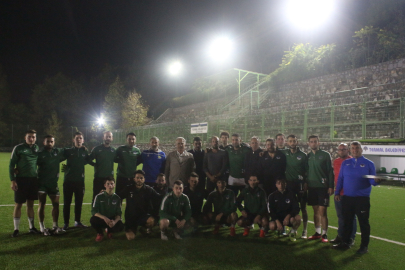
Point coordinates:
[(384, 150), (199, 128)]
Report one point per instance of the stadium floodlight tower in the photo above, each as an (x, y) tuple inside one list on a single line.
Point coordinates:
[(309, 14), (220, 48)]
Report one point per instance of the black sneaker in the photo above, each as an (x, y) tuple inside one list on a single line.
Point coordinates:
[(362, 250), (337, 240), (15, 233), (34, 230), (341, 246)]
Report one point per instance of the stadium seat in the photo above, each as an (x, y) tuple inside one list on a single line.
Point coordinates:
[(382, 170), (394, 171)]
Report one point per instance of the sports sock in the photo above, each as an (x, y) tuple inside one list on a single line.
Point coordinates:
[(292, 231), (324, 231), (55, 224), (318, 229), (31, 222), (305, 226), (41, 226), (16, 223)]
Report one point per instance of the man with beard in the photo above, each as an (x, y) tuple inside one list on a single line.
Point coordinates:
[(252, 158), (154, 161), (215, 164), (48, 175), (320, 186), (104, 154), (236, 160), (296, 174), (254, 208), (196, 197), (161, 188), (223, 201), (179, 163), (24, 181), (272, 167), (198, 155), (128, 159), (139, 198)]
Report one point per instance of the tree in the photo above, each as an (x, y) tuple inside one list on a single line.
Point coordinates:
[(134, 111), (55, 127), (114, 101)]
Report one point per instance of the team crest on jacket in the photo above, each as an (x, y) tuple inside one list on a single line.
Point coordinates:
[(362, 165), (227, 197), (55, 154), (83, 155), (112, 150), (258, 195), (321, 157), (114, 202), (278, 157), (287, 200), (299, 157)]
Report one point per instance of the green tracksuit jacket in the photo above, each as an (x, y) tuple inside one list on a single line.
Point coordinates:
[(255, 201), (236, 160), (223, 202), (107, 205), (297, 165), (25, 158), (128, 158), (49, 165), (173, 207), (76, 158), (104, 156), (320, 171)]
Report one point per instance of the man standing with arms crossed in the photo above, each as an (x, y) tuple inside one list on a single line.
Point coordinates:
[(24, 181), (128, 158), (320, 187), (343, 154), (215, 164), (77, 158), (356, 198), (104, 155), (48, 175), (252, 158), (296, 174)]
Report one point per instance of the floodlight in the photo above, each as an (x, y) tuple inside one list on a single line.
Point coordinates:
[(220, 48), (100, 121), (310, 13), (175, 68)]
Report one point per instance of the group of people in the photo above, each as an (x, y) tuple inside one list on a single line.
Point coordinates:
[(270, 186)]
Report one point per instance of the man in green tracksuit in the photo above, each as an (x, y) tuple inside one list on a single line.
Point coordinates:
[(223, 200), (48, 175), (128, 158), (106, 211), (175, 211), (104, 154), (320, 186), (236, 161), (77, 158), (296, 175), (254, 209), (24, 181)]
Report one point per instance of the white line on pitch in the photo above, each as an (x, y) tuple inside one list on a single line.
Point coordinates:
[(372, 236)]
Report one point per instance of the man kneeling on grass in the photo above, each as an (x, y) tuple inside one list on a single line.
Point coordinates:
[(224, 212), (284, 210), (254, 209), (175, 211), (106, 211), (140, 198)]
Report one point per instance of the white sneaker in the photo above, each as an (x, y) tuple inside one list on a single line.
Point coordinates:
[(177, 236), (163, 236), (304, 235)]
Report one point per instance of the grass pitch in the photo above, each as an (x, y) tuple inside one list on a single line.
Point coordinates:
[(76, 249)]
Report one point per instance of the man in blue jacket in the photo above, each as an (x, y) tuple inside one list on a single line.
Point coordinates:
[(356, 198)]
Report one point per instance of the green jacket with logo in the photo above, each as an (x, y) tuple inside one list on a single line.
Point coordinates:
[(107, 205), (173, 207), (76, 158), (236, 160), (297, 165), (49, 165), (25, 158), (223, 202), (320, 171), (255, 201), (104, 156), (128, 158)]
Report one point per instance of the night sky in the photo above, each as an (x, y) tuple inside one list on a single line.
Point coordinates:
[(78, 38)]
